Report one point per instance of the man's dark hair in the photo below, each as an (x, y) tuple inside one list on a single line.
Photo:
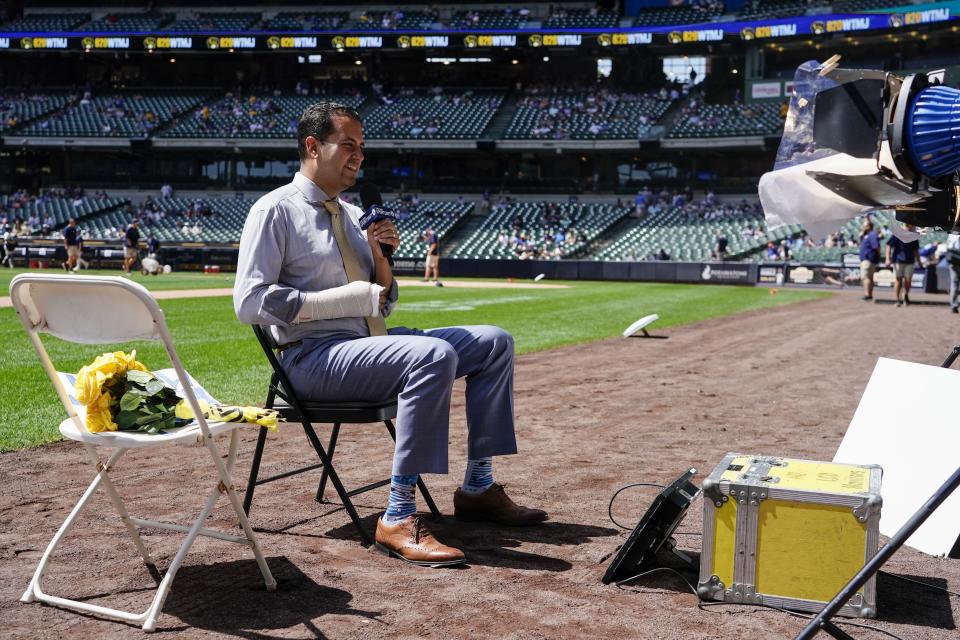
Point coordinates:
[(317, 121)]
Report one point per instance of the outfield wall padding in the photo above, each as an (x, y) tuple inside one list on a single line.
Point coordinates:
[(196, 257)]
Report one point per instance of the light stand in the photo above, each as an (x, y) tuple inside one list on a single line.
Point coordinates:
[(822, 620)]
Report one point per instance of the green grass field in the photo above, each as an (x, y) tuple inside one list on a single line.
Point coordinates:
[(225, 357), (167, 282)]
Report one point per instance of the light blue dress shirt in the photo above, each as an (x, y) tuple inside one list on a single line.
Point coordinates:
[(287, 249)]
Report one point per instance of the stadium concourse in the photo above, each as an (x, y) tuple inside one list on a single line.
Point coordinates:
[(606, 413)]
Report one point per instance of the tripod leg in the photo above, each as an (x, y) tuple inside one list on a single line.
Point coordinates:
[(822, 619)]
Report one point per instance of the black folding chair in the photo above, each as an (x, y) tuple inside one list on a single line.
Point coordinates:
[(281, 397)]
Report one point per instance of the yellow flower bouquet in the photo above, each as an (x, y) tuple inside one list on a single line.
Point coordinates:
[(121, 394)]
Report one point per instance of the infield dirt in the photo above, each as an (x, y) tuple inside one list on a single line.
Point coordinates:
[(783, 381)]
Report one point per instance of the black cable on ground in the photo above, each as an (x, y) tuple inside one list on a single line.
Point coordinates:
[(617, 492), (703, 605)]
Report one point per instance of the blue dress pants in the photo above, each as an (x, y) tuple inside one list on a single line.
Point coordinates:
[(418, 368)]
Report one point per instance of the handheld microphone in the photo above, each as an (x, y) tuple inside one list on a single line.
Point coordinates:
[(373, 210)]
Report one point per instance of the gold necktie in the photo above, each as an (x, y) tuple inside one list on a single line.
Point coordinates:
[(351, 263)]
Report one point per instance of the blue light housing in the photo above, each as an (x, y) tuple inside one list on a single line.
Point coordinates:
[(933, 131)]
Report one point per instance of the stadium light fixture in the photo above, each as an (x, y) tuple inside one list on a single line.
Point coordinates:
[(546, 58), (862, 139)]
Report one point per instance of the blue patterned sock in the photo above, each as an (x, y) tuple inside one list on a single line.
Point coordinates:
[(478, 477), (403, 499)]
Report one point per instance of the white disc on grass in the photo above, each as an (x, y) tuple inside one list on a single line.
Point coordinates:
[(640, 325), (540, 277)]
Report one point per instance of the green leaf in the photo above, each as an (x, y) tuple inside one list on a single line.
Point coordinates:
[(142, 377), (154, 386), (126, 419), (130, 401), (147, 419)]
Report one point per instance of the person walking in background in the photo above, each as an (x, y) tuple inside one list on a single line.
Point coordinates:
[(9, 247), (953, 262), (433, 258), (153, 246), (81, 263), (720, 248), (131, 245), (71, 242), (903, 256), (869, 257)]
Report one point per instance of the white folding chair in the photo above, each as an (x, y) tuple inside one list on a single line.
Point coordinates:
[(100, 310)]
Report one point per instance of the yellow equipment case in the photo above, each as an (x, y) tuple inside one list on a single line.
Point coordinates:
[(789, 533)]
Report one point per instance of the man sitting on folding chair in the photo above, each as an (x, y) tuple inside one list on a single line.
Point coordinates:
[(305, 268)]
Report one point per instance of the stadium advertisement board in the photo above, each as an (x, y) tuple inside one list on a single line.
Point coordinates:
[(728, 273), (771, 274), (896, 18), (819, 275)]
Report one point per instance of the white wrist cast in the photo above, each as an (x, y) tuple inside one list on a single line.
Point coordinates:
[(353, 300)]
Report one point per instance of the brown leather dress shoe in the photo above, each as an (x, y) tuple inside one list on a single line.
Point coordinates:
[(496, 506), (411, 540)]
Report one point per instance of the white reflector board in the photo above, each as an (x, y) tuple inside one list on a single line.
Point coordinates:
[(640, 325), (907, 423)]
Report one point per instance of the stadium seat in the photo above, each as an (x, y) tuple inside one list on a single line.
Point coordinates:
[(442, 217), (582, 19), (106, 310), (48, 22), (446, 114), (587, 221), (126, 115), (668, 16), (308, 413), (855, 6), (389, 20), (487, 19), (585, 115), (17, 108), (766, 9), (307, 21), (200, 22), (129, 22), (728, 120), (251, 116)]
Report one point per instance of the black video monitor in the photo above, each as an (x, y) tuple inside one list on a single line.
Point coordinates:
[(654, 529)]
